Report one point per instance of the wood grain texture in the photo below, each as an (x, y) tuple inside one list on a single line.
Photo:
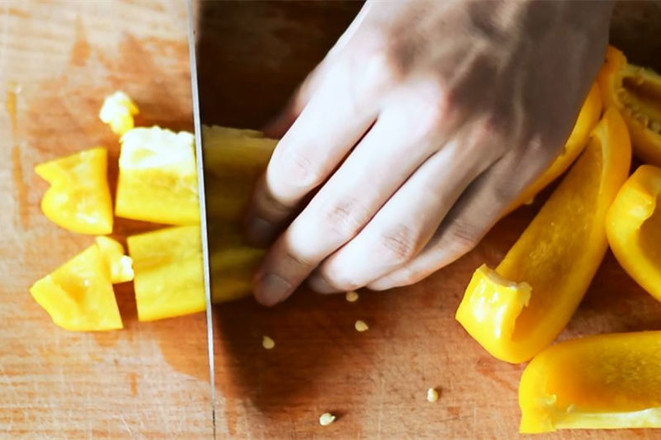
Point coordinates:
[(59, 60), (150, 380), (253, 54)]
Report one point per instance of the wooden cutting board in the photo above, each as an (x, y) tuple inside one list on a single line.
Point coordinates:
[(57, 62)]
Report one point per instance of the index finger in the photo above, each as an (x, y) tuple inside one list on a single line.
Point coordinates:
[(334, 119)]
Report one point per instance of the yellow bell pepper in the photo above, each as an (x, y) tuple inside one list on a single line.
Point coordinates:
[(234, 160), (168, 262), (118, 111), (78, 295), (518, 310), (633, 227), (119, 265), (79, 197), (168, 276), (157, 179), (636, 92), (578, 139), (603, 381)]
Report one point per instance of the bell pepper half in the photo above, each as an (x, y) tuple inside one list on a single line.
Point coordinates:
[(598, 382), (157, 179), (518, 309), (578, 139), (78, 198), (633, 227), (636, 92), (79, 295)]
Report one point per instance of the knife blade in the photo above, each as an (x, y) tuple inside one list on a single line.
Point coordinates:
[(203, 210)]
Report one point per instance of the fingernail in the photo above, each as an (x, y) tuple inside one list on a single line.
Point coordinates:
[(271, 289), (259, 231)]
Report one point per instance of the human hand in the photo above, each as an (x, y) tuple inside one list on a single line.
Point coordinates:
[(414, 134)]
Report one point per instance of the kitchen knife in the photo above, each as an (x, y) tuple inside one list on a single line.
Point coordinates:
[(202, 200)]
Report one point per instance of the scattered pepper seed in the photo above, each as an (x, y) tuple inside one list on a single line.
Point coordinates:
[(361, 326), (268, 343), (432, 395), (326, 419), (351, 296)]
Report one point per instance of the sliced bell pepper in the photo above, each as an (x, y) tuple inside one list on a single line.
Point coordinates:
[(118, 111), (518, 310), (168, 262), (79, 197), (636, 92), (158, 177), (78, 295), (119, 264), (168, 272), (234, 160), (578, 139), (603, 381), (633, 227)]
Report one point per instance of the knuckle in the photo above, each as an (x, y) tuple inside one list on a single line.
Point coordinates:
[(397, 245), (296, 167), (346, 217), (463, 236)]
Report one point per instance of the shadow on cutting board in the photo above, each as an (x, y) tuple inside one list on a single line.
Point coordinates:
[(252, 55)]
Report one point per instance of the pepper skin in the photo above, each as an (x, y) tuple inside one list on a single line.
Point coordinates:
[(545, 274), (633, 227)]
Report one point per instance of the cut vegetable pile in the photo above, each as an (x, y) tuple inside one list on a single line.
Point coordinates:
[(157, 183), (514, 311)]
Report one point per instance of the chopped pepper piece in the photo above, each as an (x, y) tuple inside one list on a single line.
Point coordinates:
[(119, 264), (578, 139), (157, 177), (118, 111), (79, 197), (633, 227), (518, 310), (78, 295), (603, 381), (168, 272), (636, 92)]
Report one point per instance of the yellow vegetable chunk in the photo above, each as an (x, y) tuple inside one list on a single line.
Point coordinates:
[(157, 177), (118, 111), (119, 264), (168, 272), (79, 197), (78, 295), (597, 382)]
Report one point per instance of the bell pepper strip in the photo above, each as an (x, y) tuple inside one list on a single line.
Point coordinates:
[(168, 262), (597, 382), (518, 309), (578, 139), (119, 264), (78, 295), (636, 92), (78, 198), (633, 228), (234, 160), (157, 179), (118, 111)]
